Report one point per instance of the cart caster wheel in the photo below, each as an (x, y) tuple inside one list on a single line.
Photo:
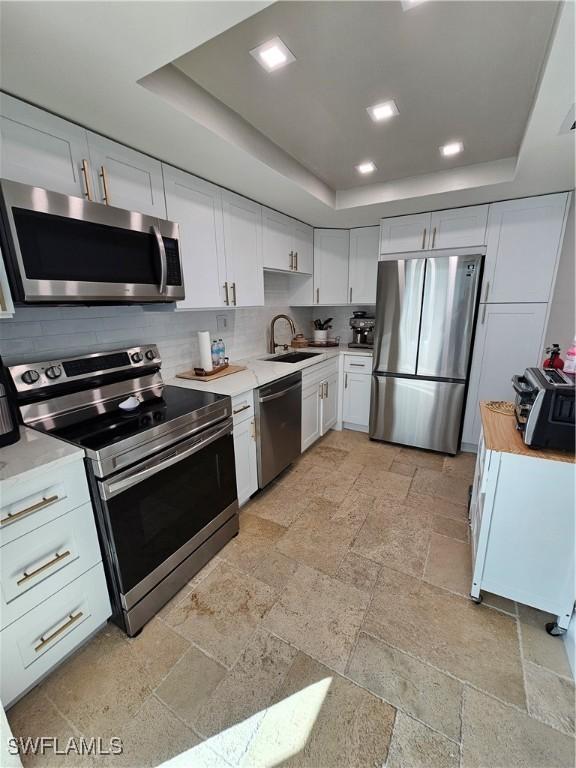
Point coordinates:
[(553, 629), (476, 600)]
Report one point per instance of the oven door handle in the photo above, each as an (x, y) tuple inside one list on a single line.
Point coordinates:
[(163, 262), (111, 489)]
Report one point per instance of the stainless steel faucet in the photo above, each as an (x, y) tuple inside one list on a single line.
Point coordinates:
[(290, 322)]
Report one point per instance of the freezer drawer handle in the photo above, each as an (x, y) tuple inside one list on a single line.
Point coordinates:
[(46, 501), (58, 557), (72, 619), (276, 395)]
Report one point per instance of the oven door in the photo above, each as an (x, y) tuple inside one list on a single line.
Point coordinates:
[(158, 512), (65, 249)]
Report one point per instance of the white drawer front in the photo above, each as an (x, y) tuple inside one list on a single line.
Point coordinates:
[(319, 372), (243, 407), (41, 562), (38, 641), (29, 504), (358, 363)]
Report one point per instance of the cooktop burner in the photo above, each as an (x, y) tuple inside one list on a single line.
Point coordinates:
[(109, 428)]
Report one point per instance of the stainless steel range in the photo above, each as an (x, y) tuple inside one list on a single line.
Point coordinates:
[(162, 474)]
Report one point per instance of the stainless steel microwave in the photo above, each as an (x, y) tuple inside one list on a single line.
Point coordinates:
[(61, 249)]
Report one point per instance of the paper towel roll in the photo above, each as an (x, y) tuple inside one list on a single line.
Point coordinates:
[(205, 350)]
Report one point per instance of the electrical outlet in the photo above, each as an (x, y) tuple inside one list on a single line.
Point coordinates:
[(221, 323)]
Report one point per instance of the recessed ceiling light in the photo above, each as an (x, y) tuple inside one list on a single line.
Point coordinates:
[(408, 4), (273, 54), (366, 167), (382, 111), (453, 148)]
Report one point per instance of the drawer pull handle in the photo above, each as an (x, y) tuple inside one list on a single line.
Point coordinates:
[(56, 559), (72, 619), (356, 365), (243, 408), (46, 501)]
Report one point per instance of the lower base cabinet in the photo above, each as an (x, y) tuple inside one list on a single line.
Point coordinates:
[(245, 453), (319, 400)]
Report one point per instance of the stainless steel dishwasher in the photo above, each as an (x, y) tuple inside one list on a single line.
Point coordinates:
[(279, 426)]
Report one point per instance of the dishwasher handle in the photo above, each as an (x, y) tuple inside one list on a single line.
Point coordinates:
[(283, 392)]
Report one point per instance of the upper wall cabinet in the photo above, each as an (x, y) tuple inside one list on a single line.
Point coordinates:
[(125, 178), (196, 206), (524, 238), (331, 247), (287, 243), (43, 150), (363, 265), (243, 249), (456, 228)]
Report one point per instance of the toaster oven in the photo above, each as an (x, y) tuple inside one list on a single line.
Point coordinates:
[(544, 408)]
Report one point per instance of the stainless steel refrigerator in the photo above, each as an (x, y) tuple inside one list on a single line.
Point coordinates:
[(425, 317)]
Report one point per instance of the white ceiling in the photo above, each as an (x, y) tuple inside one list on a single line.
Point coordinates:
[(85, 60), (454, 70)]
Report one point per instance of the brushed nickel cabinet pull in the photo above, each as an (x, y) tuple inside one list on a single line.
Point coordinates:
[(253, 430), (46, 501), (296, 260), (58, 557), (226, 295), (433, 237), (356, 365), (321, 391), (345, 381), (72, 619), (326, 389), (484, 314), (350, 294), (233, 289), (424, 238), (243, 408), (104, 177), (487, 290), (86, 176), (317, 295), (291, 260)]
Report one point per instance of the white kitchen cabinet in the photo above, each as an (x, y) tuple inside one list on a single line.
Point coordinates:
[(509, 339), (6, 303), (458, 228), (524, 238), (520, 550), (319, 400), (245, 456), (287, 243), (404, 233), (304, 248), (126, 178), (243, 249), (196, 206), (331, 250), (363, 265), (356, 401), (43, 150)]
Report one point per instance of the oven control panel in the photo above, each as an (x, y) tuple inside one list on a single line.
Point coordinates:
[(28, 377)]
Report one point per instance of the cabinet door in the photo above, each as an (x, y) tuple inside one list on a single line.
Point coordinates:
[(245, 458), (363, 269), (304, 247), (311, 415), (278, 241), (6, 303), (243, 249), (523, 243), (329, 402), (331, 249), (459, 228), (125, 178), (404, 233), (356, 400), (508, 340), (196, 206), (40, 149)]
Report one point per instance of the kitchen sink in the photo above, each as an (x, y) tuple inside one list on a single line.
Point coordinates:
[(293, 357)]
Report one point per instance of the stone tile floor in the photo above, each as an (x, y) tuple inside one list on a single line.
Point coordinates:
[(333, 631)]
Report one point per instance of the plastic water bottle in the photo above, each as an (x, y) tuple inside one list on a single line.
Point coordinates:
[(215, 349), (222, 351)]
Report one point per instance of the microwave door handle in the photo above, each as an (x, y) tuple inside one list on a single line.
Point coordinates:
[(108, 490), (163, 262)]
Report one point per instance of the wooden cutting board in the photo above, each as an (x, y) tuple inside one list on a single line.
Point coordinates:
[(226, 372)]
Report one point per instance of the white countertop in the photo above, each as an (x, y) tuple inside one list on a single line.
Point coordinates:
[(260, 371), (33, 451)]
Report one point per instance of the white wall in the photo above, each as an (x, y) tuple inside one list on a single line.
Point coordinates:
[(562, 320), (43, 333)]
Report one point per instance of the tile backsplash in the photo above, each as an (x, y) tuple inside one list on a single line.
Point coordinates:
[(42, 333), (340, 319)]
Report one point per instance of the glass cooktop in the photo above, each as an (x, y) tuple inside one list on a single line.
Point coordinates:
[(110, 428)]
